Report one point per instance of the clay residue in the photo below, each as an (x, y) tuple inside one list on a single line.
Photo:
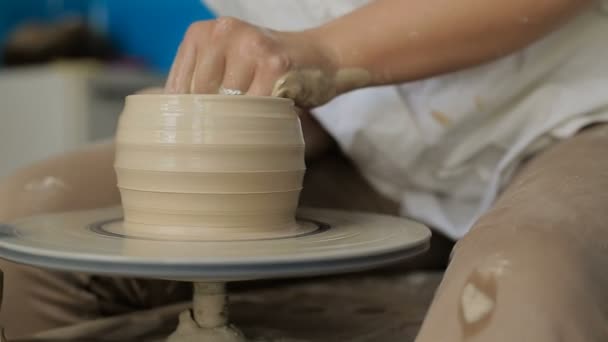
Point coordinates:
[(226, 91), (476, 303), (441, 118), (48, 183), (479, 296), (314, 87)]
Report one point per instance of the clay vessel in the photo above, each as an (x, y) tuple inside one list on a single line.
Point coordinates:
[(211, 167)]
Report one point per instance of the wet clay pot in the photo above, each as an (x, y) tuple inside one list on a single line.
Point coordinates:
[(212, 167)]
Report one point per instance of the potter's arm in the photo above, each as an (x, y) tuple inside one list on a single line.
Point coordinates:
[(397, 40), (82, 179), (387, 41)]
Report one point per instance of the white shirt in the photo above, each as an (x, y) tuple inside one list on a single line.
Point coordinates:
[(445, 146)]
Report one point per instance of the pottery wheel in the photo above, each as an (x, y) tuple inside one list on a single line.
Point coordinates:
[(95, 242)]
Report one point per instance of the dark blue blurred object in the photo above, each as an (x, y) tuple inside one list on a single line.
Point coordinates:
[(149, 30)]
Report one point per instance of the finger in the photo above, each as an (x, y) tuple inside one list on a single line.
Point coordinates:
[(209, 73), (170, 83), (268, 71), (183, 66), (307, 88), (263, 82), (238, 74), (288, 85)]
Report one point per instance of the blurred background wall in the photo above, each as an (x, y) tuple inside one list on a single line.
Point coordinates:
[(66, 66), (146, 30)]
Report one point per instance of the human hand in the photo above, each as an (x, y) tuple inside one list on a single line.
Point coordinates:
[(230, 54)]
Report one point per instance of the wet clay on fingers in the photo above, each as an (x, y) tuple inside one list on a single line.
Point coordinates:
[(313, 87)]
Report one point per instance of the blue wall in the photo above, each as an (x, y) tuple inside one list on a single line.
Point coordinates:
[(152, 29), (146, 29), (14, 12)]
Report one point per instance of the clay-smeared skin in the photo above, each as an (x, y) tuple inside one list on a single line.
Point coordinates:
[(233, 54), (387, 41), (313, 87), (398, 41), (540, 254)]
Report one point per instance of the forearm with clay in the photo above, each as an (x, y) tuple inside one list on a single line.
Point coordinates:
[(397, 41)]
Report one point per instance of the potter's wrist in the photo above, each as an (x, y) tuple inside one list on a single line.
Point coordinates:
[(348, 73), (315, 74), (323, 48)]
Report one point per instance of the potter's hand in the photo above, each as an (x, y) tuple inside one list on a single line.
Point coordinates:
[(384, 42), (234, 55)]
